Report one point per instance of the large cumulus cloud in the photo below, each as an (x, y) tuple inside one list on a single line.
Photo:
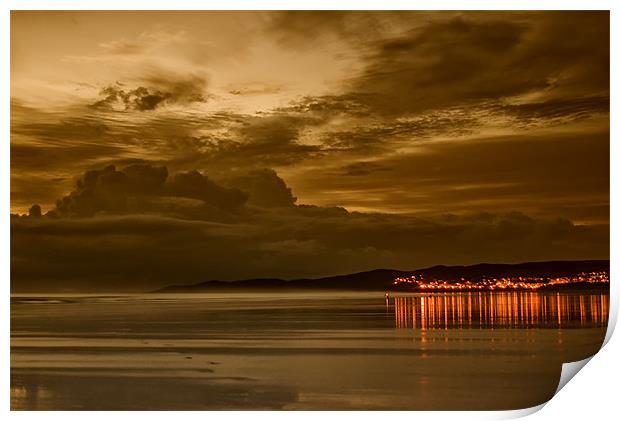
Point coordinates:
[(132, 189), (138, 229)]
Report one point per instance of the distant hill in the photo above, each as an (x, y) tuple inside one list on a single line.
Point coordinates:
[(382, 279), (552, 268)]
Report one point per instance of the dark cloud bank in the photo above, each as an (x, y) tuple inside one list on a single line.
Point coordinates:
[(139, 228)]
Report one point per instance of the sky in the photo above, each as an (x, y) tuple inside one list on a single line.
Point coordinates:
[(177, 147)]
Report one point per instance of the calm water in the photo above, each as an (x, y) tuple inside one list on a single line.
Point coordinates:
[(331, 350)]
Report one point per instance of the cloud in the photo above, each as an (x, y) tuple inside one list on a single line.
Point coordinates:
[(259, 141), (554, 111), (265, 188), (363, 168), (304, 28), (147, 188), (145, 178), (140, 99), (255, 88), (112, 191), (456, 75), (145, 43), (386, 135), (161, 90), (122, 47), (194, 185), (475, 58), (419, 61), (296, 27), (544, 174), (325, 106)]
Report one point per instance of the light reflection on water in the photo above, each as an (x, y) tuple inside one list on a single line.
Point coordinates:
[(501, 309), (30, 396)]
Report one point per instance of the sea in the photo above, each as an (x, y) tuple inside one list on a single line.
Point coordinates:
[(316, 350)]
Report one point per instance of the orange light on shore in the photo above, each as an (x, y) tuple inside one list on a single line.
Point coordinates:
[(506, 283)]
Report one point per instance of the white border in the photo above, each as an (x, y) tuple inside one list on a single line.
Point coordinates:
[(592, 394)]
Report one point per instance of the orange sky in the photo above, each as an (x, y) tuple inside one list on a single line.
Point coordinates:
[(423, 115)]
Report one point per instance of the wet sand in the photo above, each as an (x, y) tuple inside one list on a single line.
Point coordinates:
[(332, 350)]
